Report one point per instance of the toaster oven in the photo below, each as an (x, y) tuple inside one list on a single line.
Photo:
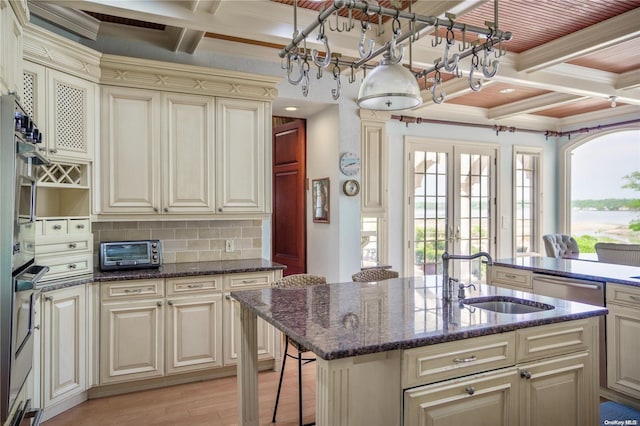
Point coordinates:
[(120, 255)]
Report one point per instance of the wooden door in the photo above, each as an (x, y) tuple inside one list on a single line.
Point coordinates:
[(289, 231)]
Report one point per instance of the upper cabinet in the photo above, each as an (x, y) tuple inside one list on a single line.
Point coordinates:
[(64, 108), (13, 16), (157, 152), (183, 140), (240, 142)]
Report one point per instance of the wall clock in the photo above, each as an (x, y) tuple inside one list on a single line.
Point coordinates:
[(350, 163), (351, 187)]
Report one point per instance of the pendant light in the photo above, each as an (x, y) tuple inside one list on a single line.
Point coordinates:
[(389, 87)]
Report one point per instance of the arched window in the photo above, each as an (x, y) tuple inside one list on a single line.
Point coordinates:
[(602, 189)]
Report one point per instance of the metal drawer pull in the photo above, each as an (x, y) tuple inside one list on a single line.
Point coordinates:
[(194, 286), (511, 276), (80, 226), (57, 227), (249, 281), (73, 245), (461, 360), (525, 374), (636, 298), (133, 290), (72, 266), (470, 390)]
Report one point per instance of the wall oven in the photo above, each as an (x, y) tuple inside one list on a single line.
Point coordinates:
[(19, 159)]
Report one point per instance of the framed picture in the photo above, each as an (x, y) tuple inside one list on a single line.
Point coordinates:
[(320, 196)]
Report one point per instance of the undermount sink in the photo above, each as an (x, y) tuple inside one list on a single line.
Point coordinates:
[(507, 305)]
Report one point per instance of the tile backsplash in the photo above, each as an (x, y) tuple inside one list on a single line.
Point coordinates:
[(187, 241)]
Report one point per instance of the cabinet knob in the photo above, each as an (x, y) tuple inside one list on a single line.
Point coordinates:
[(80, 226), (53, 151), (73, 245), (470, 390), (48, 298), (155, 209), (525, 374), (36, 327), (166, 210), (170, 302), (57, 227), (72, 266), (220, 209), (159, 303), (227, 296)]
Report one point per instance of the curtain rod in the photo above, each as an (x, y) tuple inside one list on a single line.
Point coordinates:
[(547, 133)]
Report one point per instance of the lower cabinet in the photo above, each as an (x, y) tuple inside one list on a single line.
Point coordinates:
[(63, 345), (156, 328), (551, 380), (623, 345)]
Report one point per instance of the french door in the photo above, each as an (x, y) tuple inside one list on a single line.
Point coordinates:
[(451, 191)]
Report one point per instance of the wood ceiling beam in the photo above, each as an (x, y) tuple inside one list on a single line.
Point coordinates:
[(527, 106), (628, 80), (594, 38)]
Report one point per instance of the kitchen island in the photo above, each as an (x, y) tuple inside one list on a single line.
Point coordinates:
[(392, 353)]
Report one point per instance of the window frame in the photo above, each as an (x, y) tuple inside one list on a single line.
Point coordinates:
[(537, 202)]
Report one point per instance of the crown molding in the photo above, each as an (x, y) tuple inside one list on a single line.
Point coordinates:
[(169, 76), (70, 19), (53, 51), (20, 9)]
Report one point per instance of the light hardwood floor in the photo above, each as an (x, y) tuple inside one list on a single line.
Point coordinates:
[(210, 403)]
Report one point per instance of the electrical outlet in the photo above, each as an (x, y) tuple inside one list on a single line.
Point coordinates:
[(228, 245)]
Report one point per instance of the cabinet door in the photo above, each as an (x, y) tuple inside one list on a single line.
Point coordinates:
[(487, 399), (10, 50), (188, 154), (130, 147), (71, 116), (623, 349), (241, 135), (558, 391), (194, 333), (131, 340), (266, 335), (64, 346), (34, 94)]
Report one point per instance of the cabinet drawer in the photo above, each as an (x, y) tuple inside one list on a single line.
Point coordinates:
[(625, 294), (134, 289), (554, 339), (430, 364), (66, 265), (511, 277), (203, 284), (70, 245), (253, 280), (52, 227), (79, 226)]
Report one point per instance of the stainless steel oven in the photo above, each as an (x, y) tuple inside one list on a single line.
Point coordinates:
[(19, 158)]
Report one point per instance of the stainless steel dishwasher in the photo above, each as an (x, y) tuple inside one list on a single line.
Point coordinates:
[(584, 291)]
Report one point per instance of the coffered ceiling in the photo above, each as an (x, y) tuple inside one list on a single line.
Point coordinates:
[(565, 61)]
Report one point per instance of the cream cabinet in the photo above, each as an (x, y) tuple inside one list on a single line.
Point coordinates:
[(623, 345), (534, 376), (131, 330), (64, 106), (63, 345), (13, 16), (194, 323), (241, 183), (157, 152), (513, 278), (267, 334)]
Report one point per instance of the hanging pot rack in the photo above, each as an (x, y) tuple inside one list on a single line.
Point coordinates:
[(296, 51)]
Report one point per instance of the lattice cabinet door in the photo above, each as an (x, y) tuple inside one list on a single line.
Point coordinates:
[(70, 116)]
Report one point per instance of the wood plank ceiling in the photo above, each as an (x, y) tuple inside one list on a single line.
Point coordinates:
[(566, 57)]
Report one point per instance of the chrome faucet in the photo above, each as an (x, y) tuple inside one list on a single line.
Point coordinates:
[(447, 283)]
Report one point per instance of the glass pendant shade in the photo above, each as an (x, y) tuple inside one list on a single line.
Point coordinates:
[(389, 87)]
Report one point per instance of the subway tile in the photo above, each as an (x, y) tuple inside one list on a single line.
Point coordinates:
[(208, 233), (230, 233), (175, 224), (169, 257), (98, 226), (150, 224), (139, 234), (163, 234), (216, 244), (252, 254), (197, 224), (125, 225), (242, 243), (251, 232), (198, 245), (186, 234), (234, 255), (208, 256), (174, 245), (186, 256), (256, 243), (113, 235)]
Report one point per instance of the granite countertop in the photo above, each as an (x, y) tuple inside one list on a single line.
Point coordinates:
[(574, 268), (347, 319), (168, 270)]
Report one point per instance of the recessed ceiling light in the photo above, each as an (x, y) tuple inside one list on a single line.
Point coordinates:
[(291, 108), (507, 90)]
